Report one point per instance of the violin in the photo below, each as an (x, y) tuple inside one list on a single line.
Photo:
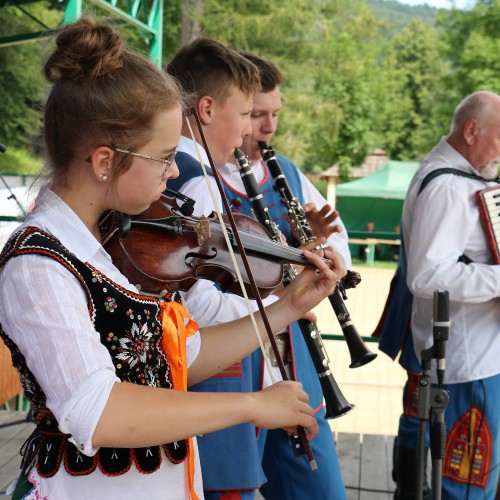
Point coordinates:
[(162, 249)]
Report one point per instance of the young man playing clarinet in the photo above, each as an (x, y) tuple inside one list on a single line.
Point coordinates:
[(264, 119), (324, 222), (232, 464)]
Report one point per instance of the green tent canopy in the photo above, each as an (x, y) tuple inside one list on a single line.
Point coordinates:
[(378, 197)]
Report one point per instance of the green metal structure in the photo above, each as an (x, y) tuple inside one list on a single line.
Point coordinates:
[(145, 15)]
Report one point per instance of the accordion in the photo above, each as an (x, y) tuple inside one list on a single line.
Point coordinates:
[(488, 201)]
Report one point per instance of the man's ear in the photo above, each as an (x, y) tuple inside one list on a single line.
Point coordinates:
[(471, 129), (205, 108), (101, 159)]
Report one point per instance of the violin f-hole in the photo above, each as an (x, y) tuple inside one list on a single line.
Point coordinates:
[(190, 256)]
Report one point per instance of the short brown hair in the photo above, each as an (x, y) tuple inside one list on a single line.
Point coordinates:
[(270, 74), (206, 67), (102, 93)]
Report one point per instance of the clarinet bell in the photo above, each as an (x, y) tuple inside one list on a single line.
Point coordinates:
[(358, 350), (336, 404), (360, 354)]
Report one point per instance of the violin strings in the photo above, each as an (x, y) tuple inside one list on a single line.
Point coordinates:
[(272, 247)]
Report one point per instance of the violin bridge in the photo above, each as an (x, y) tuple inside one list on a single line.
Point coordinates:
[(202, 228)]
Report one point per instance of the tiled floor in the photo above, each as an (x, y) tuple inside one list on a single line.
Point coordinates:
[(375, 388)]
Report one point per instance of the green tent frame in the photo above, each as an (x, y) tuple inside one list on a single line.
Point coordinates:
[(378, 198), (145, 15)]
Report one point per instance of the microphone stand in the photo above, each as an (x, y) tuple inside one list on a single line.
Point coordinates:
[(12, 195), (29, 416), (433, 400)]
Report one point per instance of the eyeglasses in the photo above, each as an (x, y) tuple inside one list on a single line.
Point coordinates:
[(167, 161)]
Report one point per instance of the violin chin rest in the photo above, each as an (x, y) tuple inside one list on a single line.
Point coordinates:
[(124, 225)]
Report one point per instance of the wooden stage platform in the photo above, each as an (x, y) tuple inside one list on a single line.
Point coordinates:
[(14, 429), (365, 459), (366, 464)]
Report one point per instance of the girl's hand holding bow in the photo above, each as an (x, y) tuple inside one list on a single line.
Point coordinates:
[(284, 404)]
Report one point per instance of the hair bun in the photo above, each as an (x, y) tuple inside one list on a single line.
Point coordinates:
[(84, 50)]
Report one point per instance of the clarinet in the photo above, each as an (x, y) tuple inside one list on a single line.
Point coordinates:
[(359, 352), (335, 403)]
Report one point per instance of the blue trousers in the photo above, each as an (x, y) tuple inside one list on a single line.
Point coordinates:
[(230, 495), (471, 466), (291, 478)]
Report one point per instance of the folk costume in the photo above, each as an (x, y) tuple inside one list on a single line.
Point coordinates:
[(77, 308), (472, 377), (287, 477)]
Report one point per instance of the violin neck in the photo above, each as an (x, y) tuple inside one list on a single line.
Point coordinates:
[(276, 250)]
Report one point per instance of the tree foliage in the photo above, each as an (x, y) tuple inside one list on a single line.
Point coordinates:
[(358, 74), (472, 46), (410, 119), (22, 86), (344, 86)]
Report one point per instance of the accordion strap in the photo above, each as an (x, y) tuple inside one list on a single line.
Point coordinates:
[(454, 171), (440, 171)]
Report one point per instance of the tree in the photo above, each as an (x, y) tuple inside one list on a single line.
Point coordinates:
[(22, 86), (410, 116), (352, 80), (284, 32), (344, 111), (472, 45)]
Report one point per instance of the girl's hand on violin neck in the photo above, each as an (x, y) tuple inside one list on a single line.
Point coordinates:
[(285, 405), (337, 261), (312, 285), (314, 245)]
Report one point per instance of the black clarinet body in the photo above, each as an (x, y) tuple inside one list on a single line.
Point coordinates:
[(335, 403), (359, 352)]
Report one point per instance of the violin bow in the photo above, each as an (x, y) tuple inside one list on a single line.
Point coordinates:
[(230, 248), (299, 442)]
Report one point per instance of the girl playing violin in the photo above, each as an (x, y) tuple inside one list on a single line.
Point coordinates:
[(104, 366)]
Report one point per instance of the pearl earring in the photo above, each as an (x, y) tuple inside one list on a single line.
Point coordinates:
[(103, 177)]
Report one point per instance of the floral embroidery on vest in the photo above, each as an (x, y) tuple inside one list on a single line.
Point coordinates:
[(133, 339)]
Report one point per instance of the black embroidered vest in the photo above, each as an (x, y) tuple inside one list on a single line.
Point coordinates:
[(129, 327)]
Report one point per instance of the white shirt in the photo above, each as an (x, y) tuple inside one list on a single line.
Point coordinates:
[(440, 225), (211, 305), (43, 309)]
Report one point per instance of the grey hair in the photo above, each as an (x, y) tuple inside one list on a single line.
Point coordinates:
[(475, 105)]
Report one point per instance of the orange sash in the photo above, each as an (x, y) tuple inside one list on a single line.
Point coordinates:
[(175, 333)]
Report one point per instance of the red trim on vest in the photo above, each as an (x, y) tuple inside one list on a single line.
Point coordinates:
[(235, 370), (230, 495)]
